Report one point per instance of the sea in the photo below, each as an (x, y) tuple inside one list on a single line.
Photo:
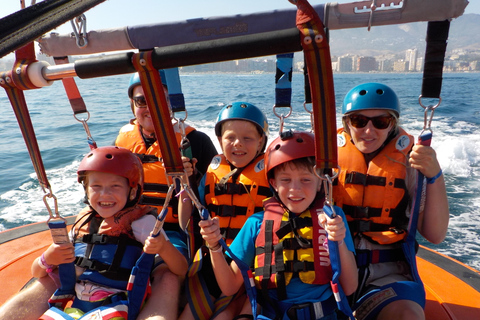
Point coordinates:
[(62, 138)]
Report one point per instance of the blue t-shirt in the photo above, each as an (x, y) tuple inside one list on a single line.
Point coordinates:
[(243, 247)]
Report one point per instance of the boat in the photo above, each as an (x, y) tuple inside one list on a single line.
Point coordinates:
[(453, 288)]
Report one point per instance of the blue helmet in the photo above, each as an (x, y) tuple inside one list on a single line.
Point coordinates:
[(135, 81), (371, 96), (242, 111)]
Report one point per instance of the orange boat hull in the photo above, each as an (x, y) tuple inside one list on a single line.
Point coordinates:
[(453, 289)]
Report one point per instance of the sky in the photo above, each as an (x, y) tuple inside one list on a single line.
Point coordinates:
[(119, 13)]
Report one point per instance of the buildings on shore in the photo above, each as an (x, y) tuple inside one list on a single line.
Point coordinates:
[(409, 61)]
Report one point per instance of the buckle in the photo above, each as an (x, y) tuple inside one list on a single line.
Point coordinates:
[(307, 310), (360, 212), (396, 230), (99, 238), (363, 225)]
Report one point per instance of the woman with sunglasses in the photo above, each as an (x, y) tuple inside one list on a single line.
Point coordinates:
[(376, 189)]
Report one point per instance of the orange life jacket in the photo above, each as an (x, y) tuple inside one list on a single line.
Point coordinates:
[(155, 185), (301, 241), (234, 202), (374, 198), (116, 225)]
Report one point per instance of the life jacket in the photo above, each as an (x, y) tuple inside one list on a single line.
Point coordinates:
[(107, 248), (108, 251), (234, 201), (155, 185), (374, 198), (288, 246)]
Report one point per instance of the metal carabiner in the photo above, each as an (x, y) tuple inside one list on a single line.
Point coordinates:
[(328, 189), (311, 115), (427, 120), (282, 117), (79, 25), (52, 215)]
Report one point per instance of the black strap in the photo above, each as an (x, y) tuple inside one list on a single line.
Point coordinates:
[(26, 25), (366, 257), (437, 35)]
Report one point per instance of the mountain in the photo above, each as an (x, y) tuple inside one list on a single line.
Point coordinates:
[(395, 39)]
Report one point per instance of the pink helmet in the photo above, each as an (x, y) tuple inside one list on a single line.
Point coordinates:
[(115, 160)]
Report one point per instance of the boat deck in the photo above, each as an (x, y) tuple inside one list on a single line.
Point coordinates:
[(453, 289)]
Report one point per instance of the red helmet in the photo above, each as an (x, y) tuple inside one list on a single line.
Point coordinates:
[(115, 160), (297, 146)]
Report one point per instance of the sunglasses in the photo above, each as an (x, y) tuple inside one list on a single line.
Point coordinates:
[(140, 102), (360, 121)]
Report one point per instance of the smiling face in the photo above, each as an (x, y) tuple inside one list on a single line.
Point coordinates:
[(296, 186), (240, 142), (369, 139), (108, 193), (143, 114)]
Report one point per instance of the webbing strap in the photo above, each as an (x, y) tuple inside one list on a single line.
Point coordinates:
[(159, 111), (66, 271), (200, 302), (318, 61), (437, 34), (334, 254), (76, 101), (138, 284), (14, 83), (177, 101), (283, 80)]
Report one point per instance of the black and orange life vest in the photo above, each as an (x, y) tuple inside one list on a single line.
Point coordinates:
[(374, 198), (287, 246), (234, 201)]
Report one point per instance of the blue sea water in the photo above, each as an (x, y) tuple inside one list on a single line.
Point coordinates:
[(62, 139)]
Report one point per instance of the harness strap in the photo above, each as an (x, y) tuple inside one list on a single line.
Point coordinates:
[(437, 35), (159, 111), (175, 94), (366, 257), (283, 80), (14, 83), (318, 61), (199, 299), (76, 101), (334, 254)]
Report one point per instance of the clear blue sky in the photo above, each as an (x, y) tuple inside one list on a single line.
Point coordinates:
[(116, 13)]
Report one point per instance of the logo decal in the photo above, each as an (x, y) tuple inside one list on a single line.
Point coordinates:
[(259, 166), (215, 162), (402, 142), (341, 141)]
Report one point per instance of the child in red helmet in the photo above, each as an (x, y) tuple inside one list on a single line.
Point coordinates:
[(113, 180), (286, 242)]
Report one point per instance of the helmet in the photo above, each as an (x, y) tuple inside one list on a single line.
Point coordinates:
[(242, 111), (115, 160), (371, 96), (135, 81), (296, 146)]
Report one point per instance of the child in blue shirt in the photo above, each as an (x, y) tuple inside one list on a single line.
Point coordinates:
[(286, 243)]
